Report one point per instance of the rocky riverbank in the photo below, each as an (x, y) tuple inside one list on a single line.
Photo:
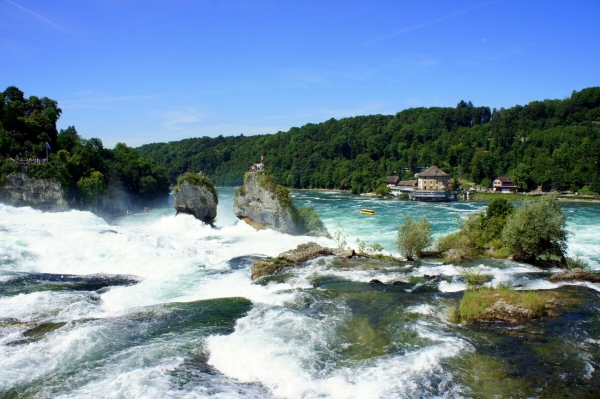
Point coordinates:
[(45, 194)]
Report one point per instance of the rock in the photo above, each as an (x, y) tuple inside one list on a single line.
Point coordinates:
[(454, 255), (294, 257), (502, 311), (265, 268), (305, 252), (45, 194), (343, 253), (375, 282), (576, 274), (196, 195), (263, 205)]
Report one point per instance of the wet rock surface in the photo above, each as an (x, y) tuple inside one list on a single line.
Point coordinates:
[(196, 200), (44, 194), (295, 257), (576, 274), (258, 204)]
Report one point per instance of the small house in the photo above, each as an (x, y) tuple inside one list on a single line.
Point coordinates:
[(391, 181), (504, 184)]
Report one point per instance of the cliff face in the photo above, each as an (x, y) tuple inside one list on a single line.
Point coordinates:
[(44, 194), (196, 199), (258, 204)]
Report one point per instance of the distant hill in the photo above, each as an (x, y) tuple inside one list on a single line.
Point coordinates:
[(554, 144)]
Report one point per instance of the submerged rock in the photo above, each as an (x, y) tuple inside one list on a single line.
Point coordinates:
[(576, 274), (294, 257), (22, 190), (196, 195)]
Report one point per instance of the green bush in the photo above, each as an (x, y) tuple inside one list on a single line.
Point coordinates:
[(480, 233), (413, 237), (577, 263), (475, 279), (311, 219), (536, 232), (383, 190)]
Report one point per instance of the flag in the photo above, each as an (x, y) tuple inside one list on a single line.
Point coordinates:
[(48, 146)]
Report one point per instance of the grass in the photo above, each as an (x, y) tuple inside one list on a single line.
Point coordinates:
[(577, 263), (475, 279), (475, 304)]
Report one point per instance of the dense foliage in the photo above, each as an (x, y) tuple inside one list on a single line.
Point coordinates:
[(92, 176), (534, 233), (414, 236), (553, 144)]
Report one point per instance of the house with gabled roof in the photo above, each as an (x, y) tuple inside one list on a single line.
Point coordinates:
[(392, 181), (433, 178), (504, 184)]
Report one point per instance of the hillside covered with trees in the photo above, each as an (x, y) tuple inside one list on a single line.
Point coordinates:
[(93, 177), (552, 144)]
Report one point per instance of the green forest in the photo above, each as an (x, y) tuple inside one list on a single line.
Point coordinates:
[(93, 177), (550, 144)]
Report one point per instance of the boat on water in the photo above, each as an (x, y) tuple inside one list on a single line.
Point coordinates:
[(367, 212)]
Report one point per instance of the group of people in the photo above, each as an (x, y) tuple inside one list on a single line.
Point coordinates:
[(20, 159)]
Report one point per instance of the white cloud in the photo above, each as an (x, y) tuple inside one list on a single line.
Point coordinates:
[(182, 119)]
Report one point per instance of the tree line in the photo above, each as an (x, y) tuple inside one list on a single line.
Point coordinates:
[(93, 177), (551, 144)]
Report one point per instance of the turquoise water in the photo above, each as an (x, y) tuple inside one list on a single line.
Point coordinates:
[(157, 305)]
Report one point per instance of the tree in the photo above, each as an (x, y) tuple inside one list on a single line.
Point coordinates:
[(536, 232), (522, 177), (92, 187), (383, 190), (498, 207), (68, 138), (413, 237)]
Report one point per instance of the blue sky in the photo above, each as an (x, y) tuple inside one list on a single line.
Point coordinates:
[(143, 71)]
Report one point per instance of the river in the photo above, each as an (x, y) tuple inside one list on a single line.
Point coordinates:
[(161, 306)]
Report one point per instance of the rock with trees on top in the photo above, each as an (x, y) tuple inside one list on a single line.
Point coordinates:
[(265, 205), (195, 194)]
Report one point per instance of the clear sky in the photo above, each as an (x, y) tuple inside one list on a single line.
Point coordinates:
[(143, 71)]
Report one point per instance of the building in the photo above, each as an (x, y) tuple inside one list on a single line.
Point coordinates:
[(433, 178), (258, 166), (403, 187), (392, 181), (504, 184), (433, 185)]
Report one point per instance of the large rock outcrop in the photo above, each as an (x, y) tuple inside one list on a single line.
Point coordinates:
[(196, 195), (264, 205), (46, 194)]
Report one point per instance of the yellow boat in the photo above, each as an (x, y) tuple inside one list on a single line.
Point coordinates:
[(367, 212)]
